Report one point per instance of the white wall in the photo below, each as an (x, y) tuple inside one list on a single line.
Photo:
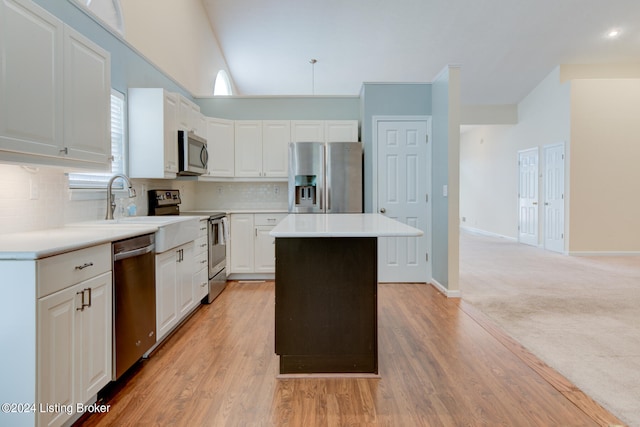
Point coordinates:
[(605, 171), (178, 39), (51, 204), (489, 156)]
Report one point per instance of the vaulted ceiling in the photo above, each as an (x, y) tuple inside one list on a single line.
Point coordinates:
[(504, 47)]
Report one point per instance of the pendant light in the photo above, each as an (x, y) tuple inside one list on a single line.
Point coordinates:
[(313, 76)]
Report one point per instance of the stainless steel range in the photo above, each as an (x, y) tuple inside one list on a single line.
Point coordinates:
[(217, 234), (166, 202)]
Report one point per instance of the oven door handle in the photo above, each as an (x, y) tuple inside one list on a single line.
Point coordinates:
[(133, 253)]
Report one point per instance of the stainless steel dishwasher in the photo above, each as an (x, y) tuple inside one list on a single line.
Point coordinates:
[(134, 295)]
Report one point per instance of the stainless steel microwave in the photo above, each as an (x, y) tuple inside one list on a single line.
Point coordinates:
[(193, 156)]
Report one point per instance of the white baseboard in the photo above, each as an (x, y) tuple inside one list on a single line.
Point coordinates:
[(605, 253), (443, 290), (486, 233)]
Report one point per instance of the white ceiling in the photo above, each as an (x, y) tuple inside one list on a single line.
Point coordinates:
[(504, 47)]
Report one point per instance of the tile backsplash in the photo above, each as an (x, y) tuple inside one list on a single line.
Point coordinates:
[(37, 198), (241, 195)]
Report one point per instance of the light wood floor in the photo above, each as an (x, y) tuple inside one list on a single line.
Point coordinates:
[(441, 364)]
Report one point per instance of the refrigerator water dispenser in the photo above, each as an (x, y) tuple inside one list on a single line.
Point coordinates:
[(305, 192)]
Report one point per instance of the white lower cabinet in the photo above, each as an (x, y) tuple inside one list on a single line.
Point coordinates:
[(74, 346), (174, 287), (252, 248), (57, 320), (264, 256)]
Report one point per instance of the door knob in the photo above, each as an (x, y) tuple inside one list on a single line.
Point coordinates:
[(382, 210)]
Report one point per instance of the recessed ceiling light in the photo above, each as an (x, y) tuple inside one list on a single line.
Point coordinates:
[(612, 34)]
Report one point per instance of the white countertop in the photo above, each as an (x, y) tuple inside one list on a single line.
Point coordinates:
[(342, 225), (234, 211), (44, 243)]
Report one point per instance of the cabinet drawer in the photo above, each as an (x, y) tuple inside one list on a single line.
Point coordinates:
[(200, 261), (200, 283), (268, 219), (61, 271), (202, 231), (201, 245)]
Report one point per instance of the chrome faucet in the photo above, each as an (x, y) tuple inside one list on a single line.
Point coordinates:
[(111, 199)]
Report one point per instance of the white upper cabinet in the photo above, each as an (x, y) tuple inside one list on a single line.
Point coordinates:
[(341, 131), (276, 135), (220, 144), (248, 148), (307, 131), (31, 46), (261, 148), (189, 116), (324, 130), (87, 99), (153, 133), (54, 91)]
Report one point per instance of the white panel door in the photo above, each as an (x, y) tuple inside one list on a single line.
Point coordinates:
[(87, 99), (554, 197), (307, 131), (276, 135), (170, 106), (248, 148), (528, 197), (97, 327), (220, 143), (58, 336), (404, 179), (341, 130), (31, 59)]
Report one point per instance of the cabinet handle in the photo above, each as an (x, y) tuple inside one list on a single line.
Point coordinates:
[(204, 245), (81, 308), (83, 266), (89, 290), (65, 151)]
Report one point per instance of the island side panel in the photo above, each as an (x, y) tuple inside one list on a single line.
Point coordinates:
[(326, 305)]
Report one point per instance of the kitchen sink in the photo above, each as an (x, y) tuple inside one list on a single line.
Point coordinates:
[(172, 230)]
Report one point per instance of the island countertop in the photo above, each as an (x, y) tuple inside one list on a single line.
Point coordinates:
[(342, 225)]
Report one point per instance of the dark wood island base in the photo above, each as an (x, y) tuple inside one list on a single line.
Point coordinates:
[(326, 305)]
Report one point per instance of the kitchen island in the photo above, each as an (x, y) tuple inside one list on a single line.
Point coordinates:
[(326, 291)]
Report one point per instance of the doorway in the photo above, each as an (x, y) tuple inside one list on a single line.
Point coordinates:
[(528, 196), (554, 197), (402, 184)]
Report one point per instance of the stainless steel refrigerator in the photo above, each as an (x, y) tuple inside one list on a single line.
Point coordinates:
[(325, 177)]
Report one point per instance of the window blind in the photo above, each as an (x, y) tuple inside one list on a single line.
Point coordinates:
[(118, 149)]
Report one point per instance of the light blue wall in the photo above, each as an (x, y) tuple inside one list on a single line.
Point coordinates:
[(128, 67), (387, 99), (282, 108), (439, 177)]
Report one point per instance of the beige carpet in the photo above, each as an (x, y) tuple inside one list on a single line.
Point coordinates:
[(580, 315)]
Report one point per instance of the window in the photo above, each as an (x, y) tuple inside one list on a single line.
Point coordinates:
[(222, 85), (118, 149), (107, 11)]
